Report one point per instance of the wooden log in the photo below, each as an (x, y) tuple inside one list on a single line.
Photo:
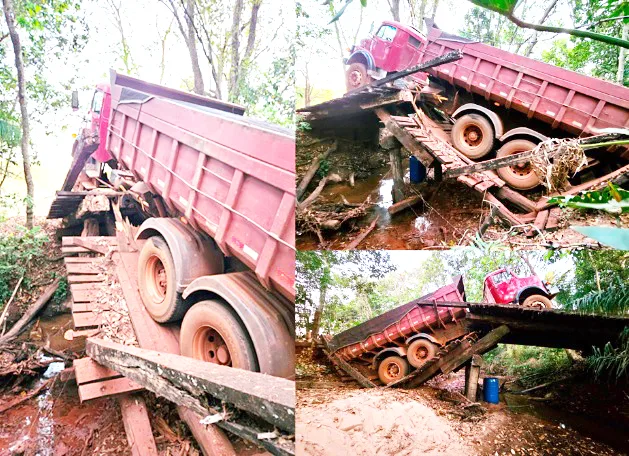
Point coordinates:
[(348, 369), (487, 165), (484, 344), (270, 398), (313, 196), (352, 245), (211, 439), (404, 204), (90, 245), (30, 313), (397, 172), (312, 170), (472, 374)]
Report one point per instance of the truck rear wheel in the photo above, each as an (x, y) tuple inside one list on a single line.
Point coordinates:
[(472, 135), (356, 76), (392, 369), (521, 175), (157, 282), (538, 302), (420, 351), (211, 332)]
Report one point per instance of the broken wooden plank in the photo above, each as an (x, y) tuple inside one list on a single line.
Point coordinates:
[(137, 425), (553, 219), (110, 387), (87, 319), (538, 224), (82, 268), (347, 368), (352, 245), (85, 278), (503, 212), (86, 370), (84, 296), (270, 398), (405, 204), (91, 245), (485, 343), (516, 198), (68, 241)]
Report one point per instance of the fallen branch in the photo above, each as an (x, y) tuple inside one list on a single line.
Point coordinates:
[(27, 396), (19, 326), (404, 204), (544, 385), (6, 307), (352, 245), (313, 196), (312, 170)]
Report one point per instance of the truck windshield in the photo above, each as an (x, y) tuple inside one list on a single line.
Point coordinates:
[(387, 32)]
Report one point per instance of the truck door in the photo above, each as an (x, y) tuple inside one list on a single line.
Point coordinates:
[(95, 109), (381, 47)]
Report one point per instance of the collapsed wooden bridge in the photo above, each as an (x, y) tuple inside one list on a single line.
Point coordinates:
[(430, 143), (489, 324), (255, 407)]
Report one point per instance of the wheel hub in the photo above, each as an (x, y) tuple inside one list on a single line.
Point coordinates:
[(156, 279), (472, 135), (355, 78), (422, 353), (209, 346), (393, 370)]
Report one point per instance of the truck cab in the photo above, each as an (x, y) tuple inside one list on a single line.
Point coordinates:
[(96, 123), (504, 287), (394, 47)]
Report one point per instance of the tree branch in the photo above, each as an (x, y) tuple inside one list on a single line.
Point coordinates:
[(547, 28)]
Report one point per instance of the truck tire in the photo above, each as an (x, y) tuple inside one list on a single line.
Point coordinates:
[(392, 369), (356, 76), (212, 332), (538, 302), (157, 283), (520, 177), (420, 351), (473, 135)]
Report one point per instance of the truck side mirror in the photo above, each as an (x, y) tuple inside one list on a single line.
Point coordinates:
[(75, 100), (371, 28)]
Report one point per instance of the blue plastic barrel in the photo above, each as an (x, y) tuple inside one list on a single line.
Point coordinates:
[(490, 390), (417, 170)]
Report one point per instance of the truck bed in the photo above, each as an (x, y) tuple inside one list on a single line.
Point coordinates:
[(229, 176), (400, 322), (562, 98)]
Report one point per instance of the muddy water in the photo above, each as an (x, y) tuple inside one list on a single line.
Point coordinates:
[(610, 431), (443, 220)]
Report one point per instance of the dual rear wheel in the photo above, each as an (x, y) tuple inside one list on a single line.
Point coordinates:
[(394, 368), (210, 330)]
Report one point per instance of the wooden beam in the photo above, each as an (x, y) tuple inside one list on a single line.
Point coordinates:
[(312, 170), (516, 198), (137, 425), (503, 211), (270, 398), (405, 138), (347, 368), (90, 245), (487, 165)]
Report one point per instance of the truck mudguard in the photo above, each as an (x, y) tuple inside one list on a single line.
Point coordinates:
[(268, 317), (523, 131), (492, 116), (423, 336), (529, 291), (399, 351), (358, 56), (193, 255)]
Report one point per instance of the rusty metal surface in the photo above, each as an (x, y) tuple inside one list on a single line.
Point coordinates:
[(268, 318), (229, 176)]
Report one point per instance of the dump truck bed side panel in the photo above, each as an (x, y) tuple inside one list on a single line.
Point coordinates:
[(559, 97), (227, 176), (400, 323)]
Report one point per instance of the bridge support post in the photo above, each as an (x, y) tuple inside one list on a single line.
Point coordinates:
[(472, 374)]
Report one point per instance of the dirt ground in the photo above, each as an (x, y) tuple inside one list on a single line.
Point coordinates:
[(580, 416)]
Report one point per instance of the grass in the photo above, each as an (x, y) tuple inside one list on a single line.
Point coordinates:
[(611, 361)]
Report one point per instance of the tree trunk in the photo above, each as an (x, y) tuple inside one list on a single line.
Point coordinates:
[(316, 321), (9, 14), (422, 11), (235, 51), (395, 9), (620, 76), (435, 5), (191, 41)]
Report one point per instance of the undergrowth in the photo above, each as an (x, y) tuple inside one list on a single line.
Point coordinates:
[(613, 300), (611, 362), (530, 364), (17, 251)]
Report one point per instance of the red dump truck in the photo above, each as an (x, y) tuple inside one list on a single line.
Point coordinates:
[(410, 335), (217, 193), (498, 100)]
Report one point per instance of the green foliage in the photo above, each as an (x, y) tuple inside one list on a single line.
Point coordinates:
[(611, 300), (17, 250), (530, 364), (590, 56), (612, 199), (504, 6), (61, 294), (611, 361), (324, 168)]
